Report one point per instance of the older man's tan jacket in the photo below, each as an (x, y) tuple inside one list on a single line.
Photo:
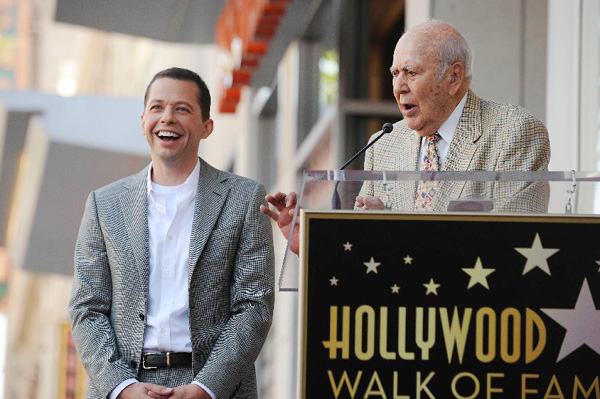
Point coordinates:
[(490, 136)]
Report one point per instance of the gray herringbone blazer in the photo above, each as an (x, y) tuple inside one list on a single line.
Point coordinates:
[(489, 136), (230, 283)]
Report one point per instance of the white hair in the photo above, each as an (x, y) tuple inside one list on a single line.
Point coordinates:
[(450, 44), (455, 49)]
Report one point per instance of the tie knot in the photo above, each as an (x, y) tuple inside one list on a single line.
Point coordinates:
[(434, 138)]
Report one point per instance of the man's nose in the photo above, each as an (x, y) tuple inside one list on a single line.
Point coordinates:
[(399, 85), (168, 116)]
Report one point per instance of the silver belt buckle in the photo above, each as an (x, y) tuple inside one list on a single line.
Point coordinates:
[(144, 363)]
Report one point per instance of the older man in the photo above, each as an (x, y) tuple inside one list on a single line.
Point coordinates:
[(445, 127)]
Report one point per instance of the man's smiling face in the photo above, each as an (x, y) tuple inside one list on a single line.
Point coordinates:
[(172, 121)]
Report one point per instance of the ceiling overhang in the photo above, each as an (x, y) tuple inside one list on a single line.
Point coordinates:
[(181, 21)]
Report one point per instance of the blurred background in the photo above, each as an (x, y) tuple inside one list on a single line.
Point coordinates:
[(296, 85)]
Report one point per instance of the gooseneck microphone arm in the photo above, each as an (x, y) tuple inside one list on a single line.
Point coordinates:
[(335, 199), (385, 129)]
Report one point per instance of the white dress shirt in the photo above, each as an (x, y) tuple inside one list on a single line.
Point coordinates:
[(170, 217), (446, 131)]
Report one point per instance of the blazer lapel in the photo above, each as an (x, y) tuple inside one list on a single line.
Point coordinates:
[(408, 160), (134, 204), (461, 151), (466, 136), (210, 197)]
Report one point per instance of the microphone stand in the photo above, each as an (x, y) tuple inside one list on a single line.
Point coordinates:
[(336, 202)]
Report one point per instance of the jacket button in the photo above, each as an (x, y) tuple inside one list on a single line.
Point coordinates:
[(141, 316), (133, 364)]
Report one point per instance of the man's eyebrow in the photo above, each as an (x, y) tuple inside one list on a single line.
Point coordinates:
[(161, 101), (184, 103)]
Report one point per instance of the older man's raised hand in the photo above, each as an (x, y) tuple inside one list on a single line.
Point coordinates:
[(283, 214)]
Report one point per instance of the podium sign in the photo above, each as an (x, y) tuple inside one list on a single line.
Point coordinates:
[(446, 306)]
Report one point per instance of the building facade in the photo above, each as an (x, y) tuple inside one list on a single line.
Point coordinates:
[(321, 88)]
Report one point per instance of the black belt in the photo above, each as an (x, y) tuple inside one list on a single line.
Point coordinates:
[(169, 359)]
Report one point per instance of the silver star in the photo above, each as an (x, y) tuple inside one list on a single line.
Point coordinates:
[(582, 323), (347, 246), (333, 281), (395, 289), (371, 266), (598, 263), (478, 274), (408, 260), (537, 255), (431, 287)]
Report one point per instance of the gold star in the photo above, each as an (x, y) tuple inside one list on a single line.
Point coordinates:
[(347, 246), (478, 274), (408, 260), (333, 281), (537, 255), (372, 266), (431, 287), (395, 289)]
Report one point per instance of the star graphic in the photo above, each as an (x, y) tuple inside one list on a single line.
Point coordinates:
[(333, 281), (582, 323), (537, 256), (478, 274), (598, 263), (347, 246), (408, 260), (431, 287), (371, 266), (395, 289)]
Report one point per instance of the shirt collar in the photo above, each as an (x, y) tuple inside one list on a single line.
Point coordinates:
[(447, 129), (190, 185)]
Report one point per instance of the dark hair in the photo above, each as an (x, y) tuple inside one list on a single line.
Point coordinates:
[(185, 74)]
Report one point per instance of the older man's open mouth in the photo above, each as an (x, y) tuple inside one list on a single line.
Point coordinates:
[(408, 109)]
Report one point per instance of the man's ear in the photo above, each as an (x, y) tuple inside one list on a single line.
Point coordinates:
[(208, 128), (456, 77), (143, 124)]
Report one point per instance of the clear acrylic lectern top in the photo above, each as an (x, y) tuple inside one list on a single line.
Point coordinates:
[(500, 193)]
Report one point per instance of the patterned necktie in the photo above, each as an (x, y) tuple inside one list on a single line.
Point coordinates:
[(431, 162)]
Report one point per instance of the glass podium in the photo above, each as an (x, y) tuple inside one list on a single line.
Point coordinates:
[(496, 193), (492, 291)]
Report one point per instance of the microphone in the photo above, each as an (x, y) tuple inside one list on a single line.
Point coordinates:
[(385, 129)]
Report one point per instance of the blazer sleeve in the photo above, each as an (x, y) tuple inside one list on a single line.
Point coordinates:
[(526, 147), (90, 307), (251, 306)]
